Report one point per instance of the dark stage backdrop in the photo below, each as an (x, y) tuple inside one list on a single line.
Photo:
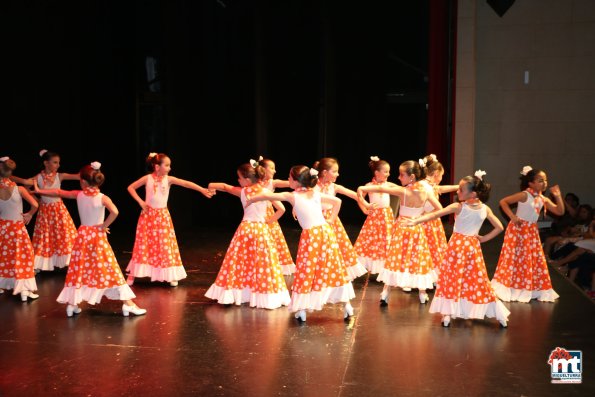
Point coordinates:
[(214, 83)]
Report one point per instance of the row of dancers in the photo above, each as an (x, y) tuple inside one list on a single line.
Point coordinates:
[(410, 252)]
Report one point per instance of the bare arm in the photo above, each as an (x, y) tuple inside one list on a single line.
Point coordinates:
[(69, 194), (335, 202), (21, 181), (267, 195), (435, 203), (558, 207), (495, 231), (224, 187), (113, 213), (446, 188), (132, 190), (453, 208), (280, 183), (69, 177), (190, 185), (361, 201), (27, 196), (280, 210), (507, 201)]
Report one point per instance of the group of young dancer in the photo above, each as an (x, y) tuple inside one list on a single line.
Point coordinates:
[(409, 252)]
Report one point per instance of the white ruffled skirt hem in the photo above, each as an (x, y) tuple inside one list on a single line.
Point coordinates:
[(18, 286), (167, 274), (288, 270), (258, 300), (355, 271), (408, 280), (468, 310), (522, 295), (48, 264), (374, 266), (74, 296), (315, 300)]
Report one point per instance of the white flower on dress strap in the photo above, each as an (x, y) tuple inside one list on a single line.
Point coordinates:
[(152, 154), (433, 157), (480, 174), (313, 172), (42, 152), (422, 163), (96, 165), (374, 158), (253, 163), (526, 170), (3, 159)]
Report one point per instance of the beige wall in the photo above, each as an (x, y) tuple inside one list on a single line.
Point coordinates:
[(501, 123)]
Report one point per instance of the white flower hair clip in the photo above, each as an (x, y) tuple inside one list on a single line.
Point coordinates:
[(3, 159), (313, 172), (96, 165), (526, 170), (260, 159), (480, 174), (253, 163), (42, 152), (374, 158), (433, 157), (152, 154), (422, 163)]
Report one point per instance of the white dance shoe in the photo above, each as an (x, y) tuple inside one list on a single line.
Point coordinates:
[(301, 316), (28, 294), (424, 297), (137, 311), (384, 295), (503, 323), (173, 283), (446, 321), (406, 289), (348, 311), (72, 310)]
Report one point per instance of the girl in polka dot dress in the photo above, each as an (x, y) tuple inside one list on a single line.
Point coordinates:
[(271, 184), (156, 253), (16, 251), (328, 171), (409, 262), (432, 172), (251, 271), (522, 273), (54, 233), (463, 289), (321, 276), (374, 237), (93, 271)]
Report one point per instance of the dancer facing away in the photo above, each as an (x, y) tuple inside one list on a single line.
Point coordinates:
[(463, 288), (270, 183), (251, 271), (321, 276), (54, 233), (93, 271), (522, 272), (373, 240), (156, 253), (328, 171), (16, 256), (433, 171), (409, 262)]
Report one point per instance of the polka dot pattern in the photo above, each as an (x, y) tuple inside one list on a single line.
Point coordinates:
[(522, 264), (464, 274), (93, 263), (16, 251), (54, 234), (155, 245), (374, 237)]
